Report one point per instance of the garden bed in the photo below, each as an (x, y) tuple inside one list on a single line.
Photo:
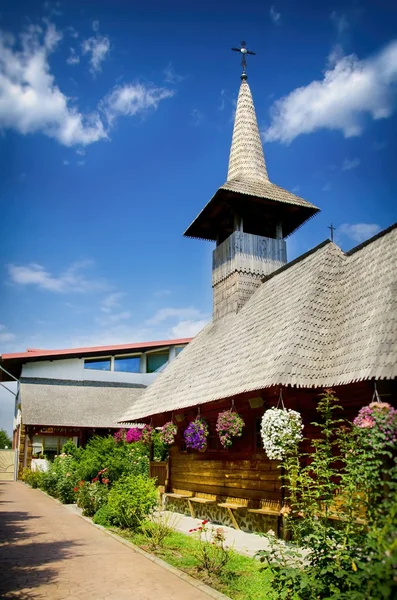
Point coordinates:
[(241, 579)]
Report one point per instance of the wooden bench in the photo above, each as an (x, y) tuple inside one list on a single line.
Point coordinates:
[(232, 504), (177, 494), (200, 499), (268, 507)]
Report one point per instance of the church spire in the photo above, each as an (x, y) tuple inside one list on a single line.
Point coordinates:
[(246, 160)]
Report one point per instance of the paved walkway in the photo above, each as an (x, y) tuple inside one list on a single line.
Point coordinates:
[(46, 552)]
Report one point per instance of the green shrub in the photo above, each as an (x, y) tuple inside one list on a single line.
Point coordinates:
[(71, 449), (103, 516), (32, 478), (61, 479), (160, 449), (352, 474), (138, 454), (48, 482), (91, 496), (104, 452), (131, 500)]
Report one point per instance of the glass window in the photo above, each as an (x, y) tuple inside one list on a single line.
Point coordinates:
[(178, 350), (127, 364), (99, 364), (155, 362)]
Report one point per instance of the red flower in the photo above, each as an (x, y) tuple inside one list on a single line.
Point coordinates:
[(106, 481), (81, 483), (76, 489), (95, 479), (205, 522)]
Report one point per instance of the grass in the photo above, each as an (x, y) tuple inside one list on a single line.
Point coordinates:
[(241, 579)]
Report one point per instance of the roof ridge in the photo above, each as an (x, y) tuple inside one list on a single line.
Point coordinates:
[(298, 259)]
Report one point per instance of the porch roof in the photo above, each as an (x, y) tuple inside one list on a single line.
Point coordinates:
[(61, 403)]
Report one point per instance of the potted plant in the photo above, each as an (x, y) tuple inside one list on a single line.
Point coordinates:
[(196, 435), (147, 433), (281, 430), (133, 435), (229, 425)]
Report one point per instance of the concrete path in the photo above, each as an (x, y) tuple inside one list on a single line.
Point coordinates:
[(46, 552), (242, 542)]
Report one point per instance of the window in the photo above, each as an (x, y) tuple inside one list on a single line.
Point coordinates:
[(99, 364), (127, 364), (156, 361), (178, 350)]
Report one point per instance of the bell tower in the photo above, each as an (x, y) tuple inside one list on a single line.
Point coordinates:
[(248, 217)]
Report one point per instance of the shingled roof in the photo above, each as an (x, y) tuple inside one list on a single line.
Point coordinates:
[(61, 403), (327, 319)]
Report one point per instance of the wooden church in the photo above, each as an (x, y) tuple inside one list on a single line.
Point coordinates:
[(325, 320)]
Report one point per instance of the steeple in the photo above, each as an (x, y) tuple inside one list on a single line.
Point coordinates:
[(246, 160), (249, 217)]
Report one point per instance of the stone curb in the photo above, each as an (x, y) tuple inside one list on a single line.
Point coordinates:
[(158, 561)]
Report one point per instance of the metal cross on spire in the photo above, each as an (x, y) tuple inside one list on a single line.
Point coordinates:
[(332, 228), (243, 50)]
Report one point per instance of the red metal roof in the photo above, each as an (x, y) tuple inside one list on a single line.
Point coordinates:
[(33, 353)]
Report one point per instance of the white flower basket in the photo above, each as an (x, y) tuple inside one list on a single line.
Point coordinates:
[(281, 430)]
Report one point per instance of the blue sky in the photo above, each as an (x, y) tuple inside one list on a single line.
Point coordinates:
[(116, 121)]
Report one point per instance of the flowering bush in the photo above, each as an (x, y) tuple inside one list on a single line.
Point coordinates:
[(380, 421), (131, 500), (281, 430), (119, 436), (133, 435), (92, 496), (168, 433), (229, 425), (147, 433), (196, 434), (212, 553)]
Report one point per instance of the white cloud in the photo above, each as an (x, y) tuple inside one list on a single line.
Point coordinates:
[(81, 152), (165, 314), (72, 32), (52, 37), (5, 335), (95, 25), (170, 75), (197, 117), (359, 232), (274, 15), (340, 21), (73, 58), (349, 91), (164, 292), (30, 101), (350, 164), (73, 279), (111, 319), (130, 99), (97, 47), (111, 301), (379, 145), (189, 328)]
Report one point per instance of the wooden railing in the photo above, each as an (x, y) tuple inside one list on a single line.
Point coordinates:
[(159, 470)]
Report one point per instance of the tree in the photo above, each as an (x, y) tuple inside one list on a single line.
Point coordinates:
[(5, 441)]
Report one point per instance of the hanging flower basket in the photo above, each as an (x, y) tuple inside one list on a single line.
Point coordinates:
[(379, 419), (228, 426), (147, 434), (196, 434), (168, 433), (281, 430), (133, 435)]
